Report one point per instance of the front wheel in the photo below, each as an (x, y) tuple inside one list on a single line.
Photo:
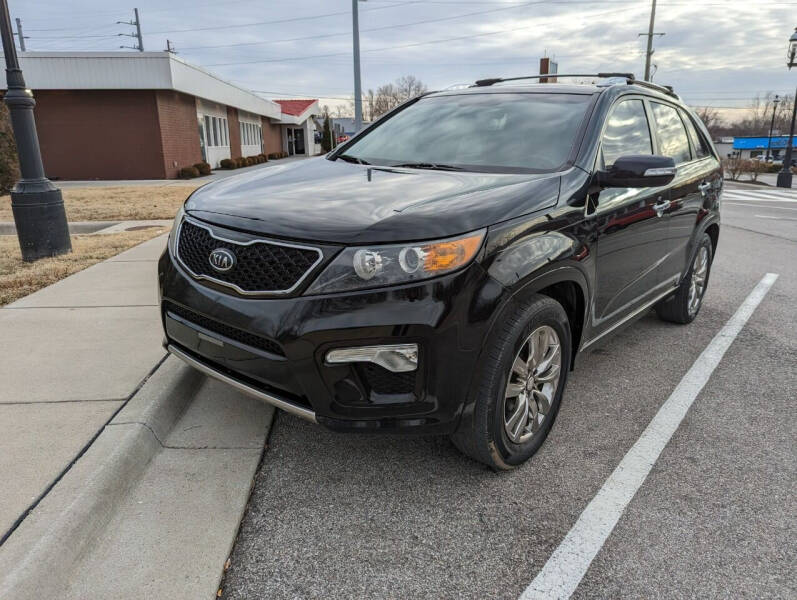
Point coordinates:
[(521, 381), (684, 305)]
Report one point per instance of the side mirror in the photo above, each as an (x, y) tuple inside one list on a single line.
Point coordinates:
[(638, 171)]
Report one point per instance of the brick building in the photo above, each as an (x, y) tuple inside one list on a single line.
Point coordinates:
[(144, 115)]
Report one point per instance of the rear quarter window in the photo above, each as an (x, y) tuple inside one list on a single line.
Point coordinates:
[(698, 141)]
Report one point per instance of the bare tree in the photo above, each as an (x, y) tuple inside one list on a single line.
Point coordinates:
[(711, 119), (759, 116), (389, 96)]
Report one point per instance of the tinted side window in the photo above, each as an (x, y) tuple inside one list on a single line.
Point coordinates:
[(701, 148), (626, 132), (672, 135)]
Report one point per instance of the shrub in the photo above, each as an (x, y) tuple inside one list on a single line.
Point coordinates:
[(227, 163), (249, 161), (9, 166), (188, 173), (203, 168), (274, 155), (263, 157), (240, 161)]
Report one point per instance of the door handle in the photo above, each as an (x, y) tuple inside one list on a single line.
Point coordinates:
[(661, 206)]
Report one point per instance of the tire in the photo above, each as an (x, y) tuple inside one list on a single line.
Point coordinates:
[(489, 435), (682, 307)]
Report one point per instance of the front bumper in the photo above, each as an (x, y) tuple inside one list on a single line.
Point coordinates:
[(275, 348)]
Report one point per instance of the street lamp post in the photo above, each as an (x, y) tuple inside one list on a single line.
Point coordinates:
[(36, 203), (772, 125), (785, 175)]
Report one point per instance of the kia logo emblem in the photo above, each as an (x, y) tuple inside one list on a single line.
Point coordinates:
[(222, 259)]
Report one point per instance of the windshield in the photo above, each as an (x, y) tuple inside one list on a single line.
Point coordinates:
[(512, 132)]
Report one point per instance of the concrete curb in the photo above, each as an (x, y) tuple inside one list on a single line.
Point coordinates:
[(39, 557)]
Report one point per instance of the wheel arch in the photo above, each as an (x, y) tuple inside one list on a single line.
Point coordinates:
[(713, 231), (567, 285)]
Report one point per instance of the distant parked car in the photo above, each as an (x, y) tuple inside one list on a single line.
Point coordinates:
[(439, 272), (343, 138)]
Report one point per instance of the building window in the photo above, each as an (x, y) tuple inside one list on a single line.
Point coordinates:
[(208, 130)]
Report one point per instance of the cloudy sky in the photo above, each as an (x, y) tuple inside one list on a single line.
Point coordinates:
[(715, 52)]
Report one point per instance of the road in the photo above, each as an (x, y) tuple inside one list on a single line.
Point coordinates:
[(353, 516)]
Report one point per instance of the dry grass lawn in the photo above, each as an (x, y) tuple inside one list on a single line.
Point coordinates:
[(18, 278), (117, 203)]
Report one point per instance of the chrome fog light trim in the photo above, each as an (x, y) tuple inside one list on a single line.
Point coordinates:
[(399, 358)]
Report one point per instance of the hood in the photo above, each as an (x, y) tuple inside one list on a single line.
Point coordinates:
[(339, 202)]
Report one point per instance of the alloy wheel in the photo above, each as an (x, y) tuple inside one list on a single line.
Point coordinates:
[(531, 385), (697, 285)]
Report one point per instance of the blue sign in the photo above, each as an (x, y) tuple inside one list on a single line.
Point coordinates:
[(760, 143)]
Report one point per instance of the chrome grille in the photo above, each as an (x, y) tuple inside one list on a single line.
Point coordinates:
[(261, 267)]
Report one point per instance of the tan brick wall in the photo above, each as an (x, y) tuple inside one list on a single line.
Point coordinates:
[(272, 137), (235, 132), (179, 131), (99, 134)]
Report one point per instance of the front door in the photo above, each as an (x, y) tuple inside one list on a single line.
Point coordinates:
[(631, 236), (298, 141)]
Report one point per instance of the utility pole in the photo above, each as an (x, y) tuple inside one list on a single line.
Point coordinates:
[(772, 125), (650, 34), (358, 94), (20, 35), (137, 24), (36, 203)]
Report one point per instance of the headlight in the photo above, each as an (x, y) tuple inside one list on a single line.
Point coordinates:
[(173, 235), (375, 266)]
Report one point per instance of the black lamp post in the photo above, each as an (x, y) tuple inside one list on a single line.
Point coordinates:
[(36, 203), (771, 126), (785, 175)]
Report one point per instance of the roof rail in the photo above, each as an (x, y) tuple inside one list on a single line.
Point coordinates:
[(488, 82), (629, 78), (664, 89)]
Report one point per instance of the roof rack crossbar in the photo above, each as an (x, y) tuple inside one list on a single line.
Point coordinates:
[(629, 77)]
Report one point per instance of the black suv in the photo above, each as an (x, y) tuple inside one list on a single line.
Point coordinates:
[(439, 272)]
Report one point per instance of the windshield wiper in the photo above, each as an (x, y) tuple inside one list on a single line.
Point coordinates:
[(428, 165), (352, 159)]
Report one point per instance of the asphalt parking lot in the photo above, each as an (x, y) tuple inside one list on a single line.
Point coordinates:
[(339, 516)]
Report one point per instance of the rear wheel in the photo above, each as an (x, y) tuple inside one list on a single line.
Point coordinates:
[(685, 304), (522, 378)]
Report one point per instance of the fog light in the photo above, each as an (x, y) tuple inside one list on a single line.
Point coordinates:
[(398, 358)]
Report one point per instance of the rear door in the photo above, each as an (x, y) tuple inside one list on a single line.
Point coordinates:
[(631, 237), (685, 190), (700, 180)]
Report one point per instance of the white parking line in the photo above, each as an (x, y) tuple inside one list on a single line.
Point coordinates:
[(758, 205), (759, 197), (776, 218), (565, 568)]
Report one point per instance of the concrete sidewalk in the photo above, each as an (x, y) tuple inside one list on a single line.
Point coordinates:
[(72, 354), (125, 473)]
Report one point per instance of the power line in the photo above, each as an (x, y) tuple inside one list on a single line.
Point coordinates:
[(401, 46), (383, 28), (280, 21)]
